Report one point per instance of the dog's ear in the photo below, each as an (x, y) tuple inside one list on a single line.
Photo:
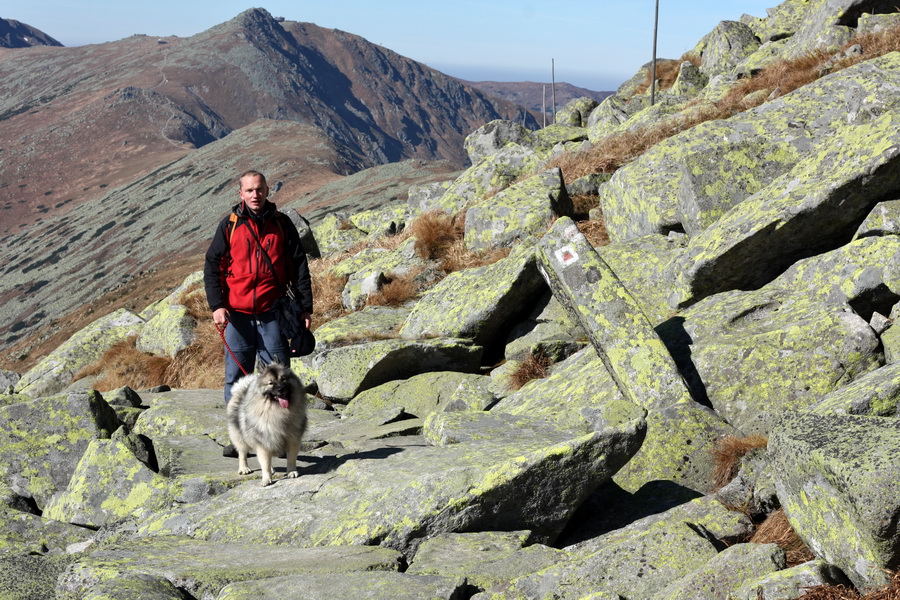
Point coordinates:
[(260, 364)]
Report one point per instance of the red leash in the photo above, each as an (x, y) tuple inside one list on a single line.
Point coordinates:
[(227, 347)]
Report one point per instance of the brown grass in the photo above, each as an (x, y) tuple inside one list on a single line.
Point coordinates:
[(666, 72), (436, 233), (727, 454), (398, 290), (123, 364), (595, 231), (534, 366), (840, 592), (776, 529), (583, 203), (777, 79)]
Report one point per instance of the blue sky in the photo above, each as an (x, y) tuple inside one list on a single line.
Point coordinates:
[(594, 44)]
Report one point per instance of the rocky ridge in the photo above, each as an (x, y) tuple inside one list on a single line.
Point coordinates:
[(751, 288)]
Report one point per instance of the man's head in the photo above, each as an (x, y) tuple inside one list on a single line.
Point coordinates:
[(253, 190)]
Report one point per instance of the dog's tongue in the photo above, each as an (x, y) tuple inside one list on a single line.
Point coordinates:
[(283, 401)]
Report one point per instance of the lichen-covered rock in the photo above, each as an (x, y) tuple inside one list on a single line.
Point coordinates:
[(22, 533), (527, 482), (184, 412), (196, 466), (823, 24), (883, 220), (753, 488), (372, 322), (790, 583), (546, 138), (726, 571), (491, 174), (690, 81), (609, 116), (382, 221), (725, 46), (335, 233), (31, 577), (641, 265), (344, 372), (477, 303), (576, 112), (8, 380), (380, 269), (55, 371), (41, 441), (664, 552), (678, 447), (521, 210), (373, 585), (202, 569), (108, 486), (690, 180), (491, 137), (420, 395), (838, 480), (360, 287), (875, 394), (579, 395), (633, 353), (168, 332), (139, 585), (484, 558), (423, 198)]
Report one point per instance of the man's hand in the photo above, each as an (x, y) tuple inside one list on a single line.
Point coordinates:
[(220, 316), (307, 319)]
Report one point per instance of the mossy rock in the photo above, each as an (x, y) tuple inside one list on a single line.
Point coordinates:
[(43, 440), (576, 112), (22, 533), (374, 322), (55, 371), (838, 480), (479, 302), (726, 46), (558, 133), (396, 586), (344, 372), (382, 221), (335, 233), (184, 412), (420, 395), (522, 210), (883, 220), (791, 582), (170, 330), (876, 394), (493, 136)]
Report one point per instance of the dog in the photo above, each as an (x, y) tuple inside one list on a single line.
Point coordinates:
[(267, 414)]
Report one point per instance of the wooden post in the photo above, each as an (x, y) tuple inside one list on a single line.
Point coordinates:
[(553, 85), (544, 105)]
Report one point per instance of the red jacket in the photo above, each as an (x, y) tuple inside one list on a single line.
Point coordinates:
[(237, 275)]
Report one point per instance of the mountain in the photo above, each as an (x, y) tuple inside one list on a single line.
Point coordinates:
[(536, 96), (14, 34), (101, 145)]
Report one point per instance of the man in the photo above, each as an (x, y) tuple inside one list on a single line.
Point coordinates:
[(241, 287)]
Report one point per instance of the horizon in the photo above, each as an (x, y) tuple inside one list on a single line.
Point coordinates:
[(519, 36)]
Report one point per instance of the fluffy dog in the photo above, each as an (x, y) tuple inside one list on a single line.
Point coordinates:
[(267, 414)]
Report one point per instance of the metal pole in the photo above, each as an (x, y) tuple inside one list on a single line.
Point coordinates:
[(553, 88), (544, 105), (653, 64)]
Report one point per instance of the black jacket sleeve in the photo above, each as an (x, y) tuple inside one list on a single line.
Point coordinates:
[(300, 276), (212, 269)]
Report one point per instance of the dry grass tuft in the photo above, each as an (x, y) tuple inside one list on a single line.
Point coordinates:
[(398, 290), (776, 529), (595, 231), (840, 592), (327, 289), (436, 232), (727, 454), (535, 366), (202, 364), (583, 203), (123, 364)]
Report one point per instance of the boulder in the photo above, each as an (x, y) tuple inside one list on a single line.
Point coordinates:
[(521, 210), (875, 394), (41, 441), (335, 233), (202, 569), (344, 372), (22, 533), (184, 412), (109, 485), (790, 583), (420, 395), (725, 572), (8, 380), (839, 484), (31, 577), (690, 81), (56, 370), (551, 136), (726, 46), (374, 586), (425, 197), (386, 220), (633, 353), (509, 483), (489, 175), (168, 332), (883, 220), (576, 112), (478, 303), (372, 323), (485, 558), (492, 137)]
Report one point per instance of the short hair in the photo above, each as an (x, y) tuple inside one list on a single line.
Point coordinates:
[(253, 173)]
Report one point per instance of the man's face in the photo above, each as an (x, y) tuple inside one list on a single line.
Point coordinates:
[(253, 192)]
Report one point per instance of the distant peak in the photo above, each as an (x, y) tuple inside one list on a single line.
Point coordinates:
[(14, 34)]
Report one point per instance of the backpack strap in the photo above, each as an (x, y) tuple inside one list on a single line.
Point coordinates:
[(232, 225)]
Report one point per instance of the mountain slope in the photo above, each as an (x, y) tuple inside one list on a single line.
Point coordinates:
[(75, 121), (14, 34)]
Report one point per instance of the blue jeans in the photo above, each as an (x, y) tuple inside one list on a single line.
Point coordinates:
[(249, 336)]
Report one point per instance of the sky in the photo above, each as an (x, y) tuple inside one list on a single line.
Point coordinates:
[(592, 44)]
